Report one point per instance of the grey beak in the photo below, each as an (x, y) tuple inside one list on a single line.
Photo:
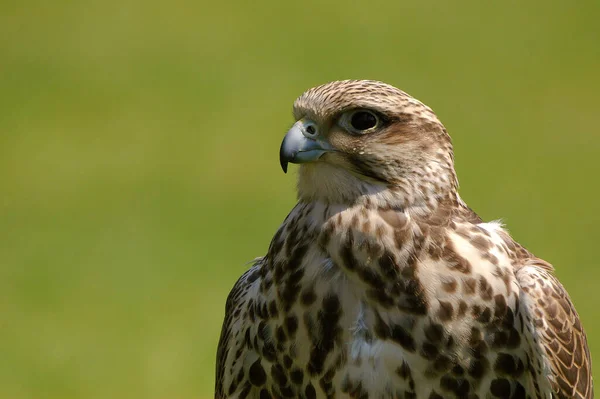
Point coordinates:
[(302, 144)]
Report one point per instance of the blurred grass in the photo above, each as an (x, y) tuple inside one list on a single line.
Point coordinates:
[(139, 141)]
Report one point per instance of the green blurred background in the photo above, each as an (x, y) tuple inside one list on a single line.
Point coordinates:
[(139, 161)]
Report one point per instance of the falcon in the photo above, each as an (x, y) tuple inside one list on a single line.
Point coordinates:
[(382, 283)]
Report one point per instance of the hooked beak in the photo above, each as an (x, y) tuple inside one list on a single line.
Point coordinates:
[(302, 144)]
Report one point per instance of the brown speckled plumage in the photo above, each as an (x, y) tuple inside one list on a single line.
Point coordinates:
[(383, 283)]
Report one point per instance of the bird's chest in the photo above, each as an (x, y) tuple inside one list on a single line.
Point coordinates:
[(389, 322), (337, 342), (340, 337), (332, 344)]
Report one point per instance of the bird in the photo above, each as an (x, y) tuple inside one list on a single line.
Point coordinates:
[(383, 283)]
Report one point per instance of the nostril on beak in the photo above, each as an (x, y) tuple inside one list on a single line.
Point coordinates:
[(310, 130)]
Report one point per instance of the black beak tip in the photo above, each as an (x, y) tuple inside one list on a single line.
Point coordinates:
[(283, 159)]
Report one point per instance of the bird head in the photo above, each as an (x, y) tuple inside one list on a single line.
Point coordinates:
[(363, 140)]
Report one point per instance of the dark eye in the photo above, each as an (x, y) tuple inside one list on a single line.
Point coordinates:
[(363, 120)]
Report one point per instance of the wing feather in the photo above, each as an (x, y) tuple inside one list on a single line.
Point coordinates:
[(235, 312), (561, 340)]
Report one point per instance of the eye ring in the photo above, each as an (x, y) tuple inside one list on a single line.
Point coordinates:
[(360, 121)]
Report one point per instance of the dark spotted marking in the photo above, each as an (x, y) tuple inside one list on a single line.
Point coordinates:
[(408, 395), (500, 388), (413, 299), (381, 297), (477, 344), (442, 364), (499, 339), (276, 243), (462, 308), (273, 311), (291, 283), (308, 296), (326, 386), (404, 371), (280, 335), (388, 266), (476, 311), (469, 285), (297, 376), (232, 387), (457, 370), (519, 392), (450, 342), (478, 367), (446, 311), (509, 365), (245, 391), (328, 319), (435, 333), (286, 391), (370, 277), (485, 316), (310, 392), (400, 335), (493, 259), (459, 386), (325, 235), (481, 243), (449, 285), (501, 308), (455, 261), (291, 325), (287, 361), (268, 351), (278, 375), (429, 351), (365, 168), (514, 339), (347, 255), (485, 289)]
